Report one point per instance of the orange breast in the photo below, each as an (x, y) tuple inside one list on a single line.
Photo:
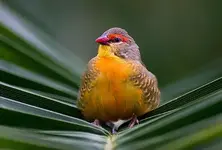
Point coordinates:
[(113, 97)]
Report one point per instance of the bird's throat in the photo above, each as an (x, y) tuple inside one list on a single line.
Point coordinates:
[(105, 50)]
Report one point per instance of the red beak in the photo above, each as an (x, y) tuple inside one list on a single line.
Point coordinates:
[(102, 40)]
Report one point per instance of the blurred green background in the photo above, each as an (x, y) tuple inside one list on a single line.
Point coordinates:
[(180, 41)]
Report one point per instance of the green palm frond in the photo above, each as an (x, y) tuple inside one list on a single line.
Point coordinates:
[(39, 84)]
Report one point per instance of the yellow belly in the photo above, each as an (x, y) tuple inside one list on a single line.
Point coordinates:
[(113, 97)]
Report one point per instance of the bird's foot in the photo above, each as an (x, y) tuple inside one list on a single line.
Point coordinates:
[(133, 121), (96, 122)]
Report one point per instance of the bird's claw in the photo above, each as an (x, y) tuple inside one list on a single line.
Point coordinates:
[(133, 121), (96, 122)]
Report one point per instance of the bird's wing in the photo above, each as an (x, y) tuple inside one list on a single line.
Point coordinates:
[(87, 82), (147, 82)]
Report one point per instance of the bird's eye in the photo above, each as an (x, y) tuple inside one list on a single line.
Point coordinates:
[(116, 40)]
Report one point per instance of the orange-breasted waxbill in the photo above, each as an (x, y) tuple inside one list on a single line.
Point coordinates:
[(116, 85)]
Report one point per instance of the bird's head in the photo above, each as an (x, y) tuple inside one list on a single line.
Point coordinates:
[(118, 42)]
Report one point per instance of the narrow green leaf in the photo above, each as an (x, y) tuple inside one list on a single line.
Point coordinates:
[(27, 97), (15, 75), (197, 140), (54, 96), (23, 139), (33, 117), (11, 55), (210, 104), (163, 139), (74, 135)]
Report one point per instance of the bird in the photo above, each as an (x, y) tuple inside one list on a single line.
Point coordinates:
[(116, 84)]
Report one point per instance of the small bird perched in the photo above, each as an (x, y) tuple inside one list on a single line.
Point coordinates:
[(117, 85)]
